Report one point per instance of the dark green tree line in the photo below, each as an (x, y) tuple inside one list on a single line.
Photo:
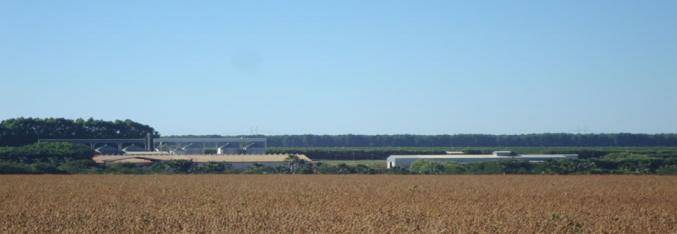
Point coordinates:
[(474, 140), (24, 131)]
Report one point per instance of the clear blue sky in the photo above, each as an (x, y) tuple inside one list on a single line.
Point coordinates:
[(331, 67)]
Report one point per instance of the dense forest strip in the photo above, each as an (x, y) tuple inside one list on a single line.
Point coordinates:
[(474, 140), (24, 131), (469, 140)]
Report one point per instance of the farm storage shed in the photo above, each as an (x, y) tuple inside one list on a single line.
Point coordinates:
[(405, 161)]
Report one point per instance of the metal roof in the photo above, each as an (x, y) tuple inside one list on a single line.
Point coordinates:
[(206, 139)]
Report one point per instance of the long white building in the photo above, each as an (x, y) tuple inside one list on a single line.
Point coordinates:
[(404, 161)]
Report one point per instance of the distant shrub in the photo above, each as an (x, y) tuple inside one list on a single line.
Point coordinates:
[(174, 166), (454, 168), (45, 168), (122, 168), (14, 168), (625, 156), (214, 167), (79, 166), (667, 170), (427, 167), (46, 152)]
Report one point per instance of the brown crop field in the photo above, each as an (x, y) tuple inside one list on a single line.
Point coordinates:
[(330, 204)]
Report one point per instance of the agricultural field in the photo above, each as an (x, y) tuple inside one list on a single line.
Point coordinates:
[(330, 203)]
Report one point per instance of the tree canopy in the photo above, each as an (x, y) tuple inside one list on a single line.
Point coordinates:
[(52, 152), (474, 140), (24, 131)]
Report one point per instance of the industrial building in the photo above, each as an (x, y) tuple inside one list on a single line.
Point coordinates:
[(173, 145), (217, 145), (405, 161), (236, 161)]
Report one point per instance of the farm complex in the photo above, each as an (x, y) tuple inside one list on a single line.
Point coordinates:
[(110, 180), (355, 117), (243, 153), (238, 153)]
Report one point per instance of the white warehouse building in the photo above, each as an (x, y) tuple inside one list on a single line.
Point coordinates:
[(404, 161)]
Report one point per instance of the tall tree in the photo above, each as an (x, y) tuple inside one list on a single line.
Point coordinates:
[(23, 131)]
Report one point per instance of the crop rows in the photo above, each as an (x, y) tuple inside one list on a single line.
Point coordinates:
[(330, 204)]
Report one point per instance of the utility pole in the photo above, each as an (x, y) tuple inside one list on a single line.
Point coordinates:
[(36, 133)]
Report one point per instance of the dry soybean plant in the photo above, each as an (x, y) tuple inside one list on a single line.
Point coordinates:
[(330, 204)]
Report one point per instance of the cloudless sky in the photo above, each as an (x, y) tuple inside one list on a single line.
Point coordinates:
[(333, 67)]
